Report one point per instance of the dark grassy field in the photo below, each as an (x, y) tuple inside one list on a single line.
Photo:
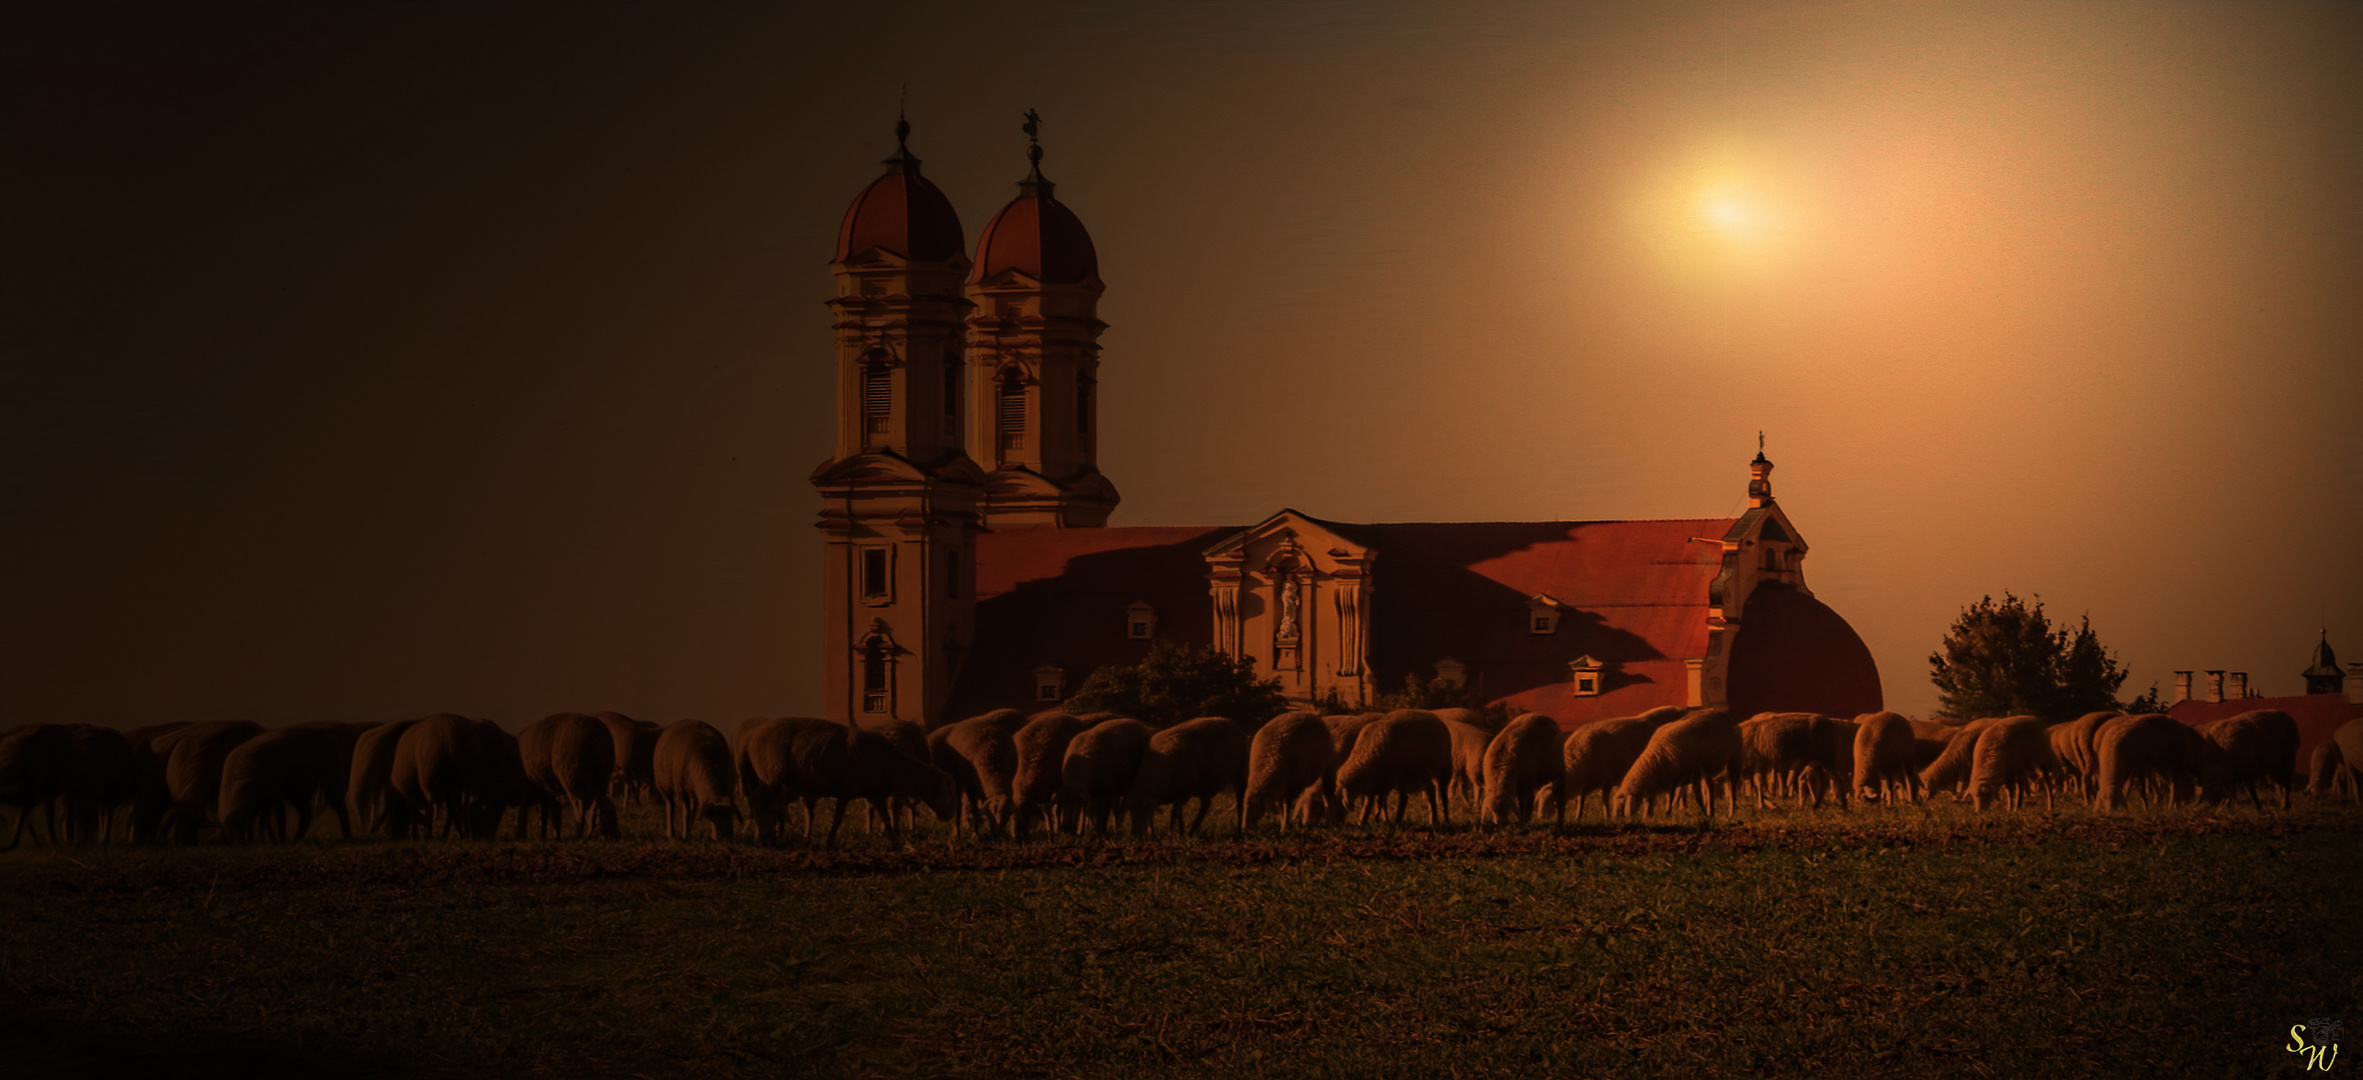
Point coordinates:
[(1872, 944)]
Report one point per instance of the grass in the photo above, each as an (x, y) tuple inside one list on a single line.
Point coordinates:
[(1867, 944)]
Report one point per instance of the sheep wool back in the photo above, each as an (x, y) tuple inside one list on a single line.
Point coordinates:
[(2152, 747), (1702, 748), (1196, 759), (696, 778), (2258, 747), (1403, 753), (1951, 768), (1041, 747), (1097, 774), (2011, 755), (1291, 766), (1520, 763), (1596, 756), (1883, 758)]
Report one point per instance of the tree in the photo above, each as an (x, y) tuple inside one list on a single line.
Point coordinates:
[(2006, 659), (1177, 682), (1441, 693)]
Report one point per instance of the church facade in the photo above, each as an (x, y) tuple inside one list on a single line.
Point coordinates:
[(969, 564)]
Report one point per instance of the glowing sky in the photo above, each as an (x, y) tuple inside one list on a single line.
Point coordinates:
[(364, 361)]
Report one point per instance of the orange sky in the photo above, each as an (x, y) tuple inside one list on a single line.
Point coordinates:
[(367, 361)]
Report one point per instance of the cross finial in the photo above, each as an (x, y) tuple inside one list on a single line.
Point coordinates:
[(902, 117), (1759, 442)]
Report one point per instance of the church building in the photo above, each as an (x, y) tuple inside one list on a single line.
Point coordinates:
[(969, 564)]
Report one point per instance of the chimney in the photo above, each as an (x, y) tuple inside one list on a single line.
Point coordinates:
[(2239, 686), (2355, 684), (2182, 688), (2215, 686)]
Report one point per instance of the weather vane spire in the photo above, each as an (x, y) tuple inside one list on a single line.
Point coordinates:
[(1034, 181), (903, 159)]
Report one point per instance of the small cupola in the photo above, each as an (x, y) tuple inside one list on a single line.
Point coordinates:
[(1760, 476)]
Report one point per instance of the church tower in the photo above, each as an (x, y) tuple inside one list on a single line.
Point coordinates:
[(899, 498), (1033, 361)]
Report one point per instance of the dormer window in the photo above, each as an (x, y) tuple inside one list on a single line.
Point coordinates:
[(1586, 676), (1140, 621), (1542, 614), (1050, 683)]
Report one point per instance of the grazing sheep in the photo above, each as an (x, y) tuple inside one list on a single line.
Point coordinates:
[(2257, 746), (193, 772), (296, 765), (1468, 757), (369, 786), (1776, 749), (1041, 747), (980, 755), (2349, 740), (1404, 752), (2329, 772), (106, 778), (576, 766), (466, 769), (1343, 730), (1522, 761), (1951, 768), (152, 796), (1596, 757), (2072, 745), (911, 739), (1098, 771), (810, 760), (1196, 759), (38, 766), (2152, 746), (1292, 765), (1883, 758), (2011, 754), (694, 775), (1833, 741), (635, 756), (1700, 749)]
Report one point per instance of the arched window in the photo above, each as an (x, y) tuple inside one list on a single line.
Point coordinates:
[(1011, 414), (877, 398)]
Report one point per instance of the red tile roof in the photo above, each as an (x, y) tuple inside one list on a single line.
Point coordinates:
[(1636, 594), (1048, 595)]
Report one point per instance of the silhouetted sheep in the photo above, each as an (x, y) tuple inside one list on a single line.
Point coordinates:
[(1521, 762), (1699, 750), (1291, 765), (1405, 752), (1196, 759), (1596, 756), (1097, 773)]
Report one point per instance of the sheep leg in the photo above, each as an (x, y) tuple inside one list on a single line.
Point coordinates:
[(836, 818)]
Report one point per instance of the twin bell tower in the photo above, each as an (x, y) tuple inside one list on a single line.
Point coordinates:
[(965, 401)]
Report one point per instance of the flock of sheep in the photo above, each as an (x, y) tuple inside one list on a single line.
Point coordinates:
[(1008, 773)]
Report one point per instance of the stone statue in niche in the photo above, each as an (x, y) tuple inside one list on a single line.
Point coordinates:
[(1288, 603)]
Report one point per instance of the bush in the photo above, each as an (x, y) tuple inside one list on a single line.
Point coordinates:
[(1178, 682)]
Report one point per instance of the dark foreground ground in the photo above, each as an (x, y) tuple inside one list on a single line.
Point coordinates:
[(1871, 944)]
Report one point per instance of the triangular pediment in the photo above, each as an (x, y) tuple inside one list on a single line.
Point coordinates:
[(1767, 523), (1292, 539)]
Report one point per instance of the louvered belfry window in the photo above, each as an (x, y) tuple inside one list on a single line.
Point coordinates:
[(877, 398), (1013, 415)]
